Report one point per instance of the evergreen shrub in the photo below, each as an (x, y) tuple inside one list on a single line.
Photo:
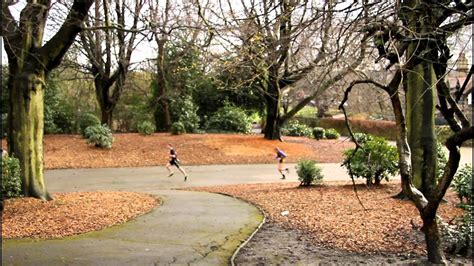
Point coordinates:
[(146, 128), (11, 177), (100, 136), (309, 173)]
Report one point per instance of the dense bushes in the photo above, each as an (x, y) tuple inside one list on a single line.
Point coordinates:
[(230, 118), (332, 133), (457, 236), (376, 160), (362, 138), (86, 120), (11, 177), (146, 128), (185, 111), (177, 128), (386, 129), (295, 128), (462, 183), (59, 116), (308, 172), (99, 135), (319, 133)]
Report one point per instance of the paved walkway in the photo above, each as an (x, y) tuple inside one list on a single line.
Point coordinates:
[(189, 228)]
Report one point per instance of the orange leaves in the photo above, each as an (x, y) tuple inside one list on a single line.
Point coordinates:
[(333, 217), (72, 213)]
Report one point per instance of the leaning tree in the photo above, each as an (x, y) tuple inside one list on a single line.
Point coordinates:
[(413, 40), (30, 60)]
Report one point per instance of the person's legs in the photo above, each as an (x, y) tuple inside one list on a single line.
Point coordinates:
[(181, 169), (168, 167), (280, 168)]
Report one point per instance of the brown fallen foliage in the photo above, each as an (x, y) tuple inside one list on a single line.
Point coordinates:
[(135, 150), (72, 213), (335, 219)]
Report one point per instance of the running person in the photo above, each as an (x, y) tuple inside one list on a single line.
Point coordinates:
[(280, 156), (174, 161)]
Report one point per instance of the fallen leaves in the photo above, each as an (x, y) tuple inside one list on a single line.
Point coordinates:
[(135, 150), (72, 213), (333, 217)]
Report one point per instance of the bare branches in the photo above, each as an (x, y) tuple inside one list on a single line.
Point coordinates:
[(57, 46)]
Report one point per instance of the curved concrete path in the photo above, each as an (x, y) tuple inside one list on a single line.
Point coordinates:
[(189, 228)]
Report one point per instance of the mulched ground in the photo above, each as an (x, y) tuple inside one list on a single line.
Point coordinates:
[(72, 213), (135, 150), (333, 217)]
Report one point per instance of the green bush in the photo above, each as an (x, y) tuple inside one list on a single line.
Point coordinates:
[(362, 138), (442, 160), (86, 120), (100, 136), (146, 128), (443, 133), (295, 128), (185, 111), (319, 133), (457, 236), (462, 183), (230, 118), (59, 116), (376, 160), (177, 128), (11, 177), (308, 172), (332, 134)]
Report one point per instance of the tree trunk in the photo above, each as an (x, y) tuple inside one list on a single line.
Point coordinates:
[(421, 98), (433, 240), (26, 129), (106, 115), (162, 112), (102, 87), (273, 122)]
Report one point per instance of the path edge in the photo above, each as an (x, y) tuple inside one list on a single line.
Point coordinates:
[(244, 243)]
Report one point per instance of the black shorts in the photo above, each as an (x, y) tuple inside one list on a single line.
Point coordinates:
[(174, 162), (281, 160)]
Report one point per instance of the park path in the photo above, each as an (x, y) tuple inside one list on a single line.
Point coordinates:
[(189, 228)]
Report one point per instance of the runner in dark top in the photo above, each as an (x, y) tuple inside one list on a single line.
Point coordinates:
[(174, 161), (280, 156)]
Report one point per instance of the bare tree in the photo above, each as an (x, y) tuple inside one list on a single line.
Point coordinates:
[(277, 44), (30, 60), (412, 37), (108, 43)]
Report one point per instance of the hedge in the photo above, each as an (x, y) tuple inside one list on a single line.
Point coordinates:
[(385, 129)]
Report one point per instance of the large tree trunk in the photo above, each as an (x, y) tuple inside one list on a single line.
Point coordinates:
[(102, 88), (421, 98), (26, 129), (29, 62), (273, 122)]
